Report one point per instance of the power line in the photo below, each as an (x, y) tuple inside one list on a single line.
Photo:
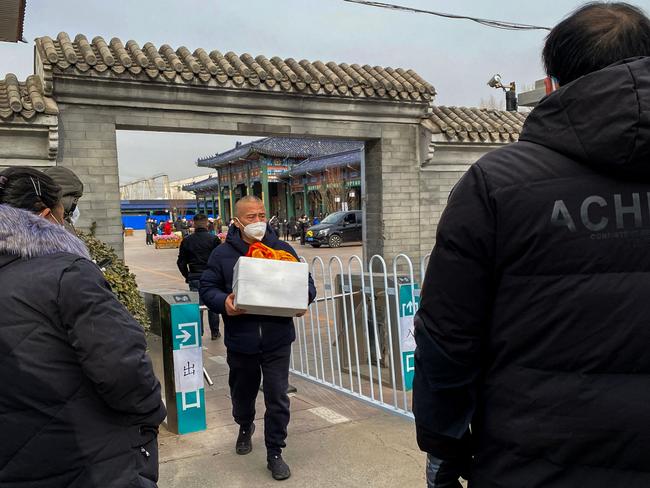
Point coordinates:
[(497, 24)]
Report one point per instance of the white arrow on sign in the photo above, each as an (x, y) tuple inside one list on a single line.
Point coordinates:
[(184, 336), (189, 335)]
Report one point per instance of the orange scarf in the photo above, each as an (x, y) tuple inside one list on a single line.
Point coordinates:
[(259, 250)]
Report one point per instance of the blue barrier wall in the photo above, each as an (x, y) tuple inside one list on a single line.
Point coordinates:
[(137, 222), (134, 221)]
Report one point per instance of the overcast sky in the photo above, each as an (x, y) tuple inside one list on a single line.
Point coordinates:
[(456, 56)]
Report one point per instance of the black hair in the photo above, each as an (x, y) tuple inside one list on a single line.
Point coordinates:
[(201, 220), (29, 189), (594, 36)]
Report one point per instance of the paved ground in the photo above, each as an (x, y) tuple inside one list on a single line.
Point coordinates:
[(334, 440)]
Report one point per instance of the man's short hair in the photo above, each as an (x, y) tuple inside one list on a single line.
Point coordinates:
[(245, 200), (201, 220), (593, 37)]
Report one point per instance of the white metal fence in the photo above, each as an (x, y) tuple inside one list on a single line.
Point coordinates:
[(357, 337)]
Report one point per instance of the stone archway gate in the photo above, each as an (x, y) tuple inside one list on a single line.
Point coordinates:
[(89, 89)]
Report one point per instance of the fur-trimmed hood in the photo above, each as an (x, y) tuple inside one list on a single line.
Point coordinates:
[(27, 235)]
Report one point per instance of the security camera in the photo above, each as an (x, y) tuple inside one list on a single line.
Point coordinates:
[(495, 81)]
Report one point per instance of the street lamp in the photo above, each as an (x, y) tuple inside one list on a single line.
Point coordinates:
[(510, 91)]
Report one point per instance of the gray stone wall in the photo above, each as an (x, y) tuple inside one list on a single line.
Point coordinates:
[(446, 164), (89, 148), (400, 192)]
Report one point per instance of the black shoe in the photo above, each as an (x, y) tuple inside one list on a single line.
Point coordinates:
[(216, 336), (279, 469), (244, 443)]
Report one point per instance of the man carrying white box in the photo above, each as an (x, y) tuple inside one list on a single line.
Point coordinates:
[(257, 299)]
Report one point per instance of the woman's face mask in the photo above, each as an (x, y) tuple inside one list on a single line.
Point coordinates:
[(75, 216)]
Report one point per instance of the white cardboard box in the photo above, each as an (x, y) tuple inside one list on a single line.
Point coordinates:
[(270, 287)]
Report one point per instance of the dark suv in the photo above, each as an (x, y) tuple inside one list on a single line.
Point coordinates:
[(336, 228)]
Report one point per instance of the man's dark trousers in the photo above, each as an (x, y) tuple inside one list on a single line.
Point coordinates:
[(245, 375), (213, 318)]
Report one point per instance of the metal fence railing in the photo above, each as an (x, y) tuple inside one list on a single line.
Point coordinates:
[(357, 337)]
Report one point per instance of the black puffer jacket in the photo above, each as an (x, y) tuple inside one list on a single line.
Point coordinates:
[(535, 320), (194, 253), (80, 405)]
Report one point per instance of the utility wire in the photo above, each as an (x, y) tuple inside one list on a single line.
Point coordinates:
[(497, 24)]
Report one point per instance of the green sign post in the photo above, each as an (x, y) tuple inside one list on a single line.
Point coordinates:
[(409, 301), (188, 367)]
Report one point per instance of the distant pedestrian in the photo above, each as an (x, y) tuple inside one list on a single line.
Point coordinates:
[(303, 223), (178, 225), (192, 260), (149, 230), (167, 228), (275, 224), (284, 226)]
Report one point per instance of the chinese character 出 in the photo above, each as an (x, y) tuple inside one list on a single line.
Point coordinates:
[(189, 369)]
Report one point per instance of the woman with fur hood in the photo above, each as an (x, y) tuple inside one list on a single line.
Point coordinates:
[(80, 406)]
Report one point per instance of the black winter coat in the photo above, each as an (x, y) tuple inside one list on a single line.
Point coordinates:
[(194, 253), (248, 333), (534, 322), (79, 397)]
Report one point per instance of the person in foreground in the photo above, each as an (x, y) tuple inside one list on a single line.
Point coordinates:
[(192, 260), (256, 344), (80, 406), (534, 321)]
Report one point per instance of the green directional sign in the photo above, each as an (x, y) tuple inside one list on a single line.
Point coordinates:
[(188, 367), (409, 301)]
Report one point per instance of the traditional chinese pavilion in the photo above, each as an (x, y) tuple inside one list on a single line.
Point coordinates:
[(264, 168)]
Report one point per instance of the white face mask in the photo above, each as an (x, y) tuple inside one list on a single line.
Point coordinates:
[(256, 230), (75, 216)]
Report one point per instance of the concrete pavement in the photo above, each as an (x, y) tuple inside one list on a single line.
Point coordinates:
[(334, 440)]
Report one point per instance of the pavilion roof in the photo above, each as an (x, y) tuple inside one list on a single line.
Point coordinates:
[(321, 163), (281, 147), (210, 183)]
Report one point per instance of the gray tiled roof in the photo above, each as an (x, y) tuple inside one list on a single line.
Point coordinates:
[(210, 183), (284, 147), (117, 60), (471, 124), (321, 163), (24, 99)]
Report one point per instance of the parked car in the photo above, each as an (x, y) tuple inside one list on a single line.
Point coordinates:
[(335, 229)]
